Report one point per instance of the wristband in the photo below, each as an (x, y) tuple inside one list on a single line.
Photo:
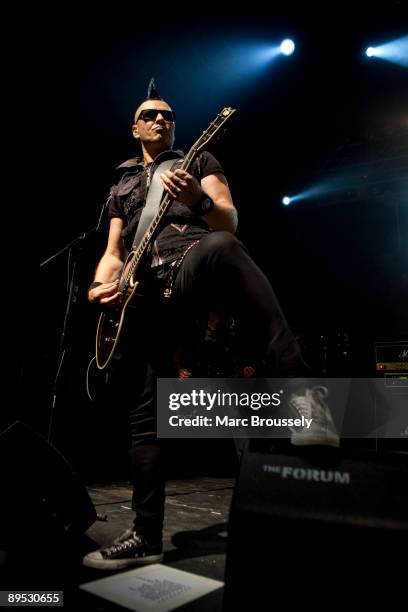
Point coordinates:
[(203, 206)]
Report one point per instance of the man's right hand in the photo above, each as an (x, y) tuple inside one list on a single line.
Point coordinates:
[(106, 294)]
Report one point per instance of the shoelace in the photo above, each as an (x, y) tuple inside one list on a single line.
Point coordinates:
[(313, 405), (302, 404), (123, 546)]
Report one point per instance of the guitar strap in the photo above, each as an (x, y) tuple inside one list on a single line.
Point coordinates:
[(154, 197)]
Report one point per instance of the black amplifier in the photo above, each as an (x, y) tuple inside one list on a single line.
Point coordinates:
[(316, 527), (391, 356)]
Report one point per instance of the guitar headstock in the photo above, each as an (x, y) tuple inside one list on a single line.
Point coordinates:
[(213, 128)]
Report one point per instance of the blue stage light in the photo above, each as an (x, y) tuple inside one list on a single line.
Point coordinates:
[(395, 51), (287, 46), (286, 200)]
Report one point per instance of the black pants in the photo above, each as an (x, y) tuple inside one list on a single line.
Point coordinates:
[(216, 273)]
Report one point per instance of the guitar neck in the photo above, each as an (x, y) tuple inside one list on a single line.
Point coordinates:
[(163, 208)]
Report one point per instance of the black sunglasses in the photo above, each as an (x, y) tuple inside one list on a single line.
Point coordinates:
[(150, 114)]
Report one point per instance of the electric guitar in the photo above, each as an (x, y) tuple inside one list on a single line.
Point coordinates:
[(111, 322)]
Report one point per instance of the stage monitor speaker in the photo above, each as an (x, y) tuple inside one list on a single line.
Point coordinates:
[(43, 498), (311, 527)]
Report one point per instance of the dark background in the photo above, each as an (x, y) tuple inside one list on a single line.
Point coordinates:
[(338, 262)]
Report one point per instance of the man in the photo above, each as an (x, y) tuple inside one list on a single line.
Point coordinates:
[(197, 261)]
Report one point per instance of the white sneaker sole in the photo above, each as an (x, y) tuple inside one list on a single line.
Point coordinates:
[(116, 564), (305, 439)]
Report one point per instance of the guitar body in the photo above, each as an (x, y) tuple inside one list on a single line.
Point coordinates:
[(111, 322), (107, 335)]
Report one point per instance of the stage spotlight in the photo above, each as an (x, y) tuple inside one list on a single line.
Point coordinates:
[(395, 51), (309, 193), (287, 47)]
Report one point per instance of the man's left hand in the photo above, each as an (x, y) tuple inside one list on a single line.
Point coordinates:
[(182, 186)]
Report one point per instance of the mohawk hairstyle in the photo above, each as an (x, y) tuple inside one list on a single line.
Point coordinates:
[(152, 93)]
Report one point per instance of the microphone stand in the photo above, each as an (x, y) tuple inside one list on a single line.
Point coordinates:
[(73, 248)]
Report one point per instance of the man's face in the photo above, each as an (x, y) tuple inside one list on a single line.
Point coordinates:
[(151, 127)]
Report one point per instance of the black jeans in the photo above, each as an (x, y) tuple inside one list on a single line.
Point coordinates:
[(219, 273), (216, 273)]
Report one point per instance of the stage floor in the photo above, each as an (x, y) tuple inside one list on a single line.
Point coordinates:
[(195, 537)]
